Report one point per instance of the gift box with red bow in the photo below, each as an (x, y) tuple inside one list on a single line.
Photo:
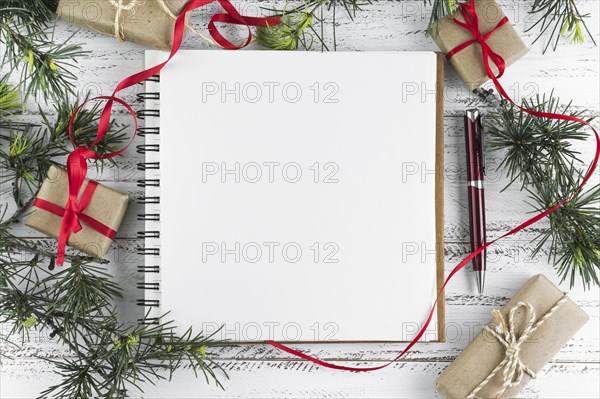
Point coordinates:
[(479, 40), (89, 224)]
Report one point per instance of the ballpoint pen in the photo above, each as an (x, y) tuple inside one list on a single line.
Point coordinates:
[(475, 176)]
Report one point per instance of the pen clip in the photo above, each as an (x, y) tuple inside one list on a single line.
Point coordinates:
[(482, 144)]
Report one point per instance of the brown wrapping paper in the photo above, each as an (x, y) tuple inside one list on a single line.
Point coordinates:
[(107, 206), (480, 358), (140, 21), (469, 62)]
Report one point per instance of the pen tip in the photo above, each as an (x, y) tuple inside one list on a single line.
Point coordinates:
[(479, 279)]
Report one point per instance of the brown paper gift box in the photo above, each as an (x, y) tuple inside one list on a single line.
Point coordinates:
[(482, 355), (107, 206), (469, 62), (144, 23)]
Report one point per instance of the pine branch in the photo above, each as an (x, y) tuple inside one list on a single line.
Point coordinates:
[(539, 153), (292, 33), (33, 148), (33, 14), (574, 231), (123, 357), (27, 37), (559, 18), (298, 28), (439, 9), (535, 145)]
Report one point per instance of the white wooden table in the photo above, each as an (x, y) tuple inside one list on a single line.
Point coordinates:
[(259, 371)]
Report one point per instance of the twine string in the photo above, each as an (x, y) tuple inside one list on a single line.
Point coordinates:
[(120, 7), (513, 369), (163, 4)]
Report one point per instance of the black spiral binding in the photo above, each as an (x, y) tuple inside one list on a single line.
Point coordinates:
[(148, 112), (147, 199), (145, 148), (147, 131)]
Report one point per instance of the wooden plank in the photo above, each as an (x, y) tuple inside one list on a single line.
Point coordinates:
[(23, 378), (261, 371)]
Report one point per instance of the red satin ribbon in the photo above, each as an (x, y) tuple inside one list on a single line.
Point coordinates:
[(472, 25), (72, 213)]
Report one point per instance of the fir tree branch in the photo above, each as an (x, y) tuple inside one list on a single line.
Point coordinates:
[(439, 9), (574, 228), (297, 30), (27, 36), (539, 153), (559, 18)]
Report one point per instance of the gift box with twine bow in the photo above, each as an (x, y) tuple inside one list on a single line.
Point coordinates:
[(456, 35), (146, 22), (524, 335)]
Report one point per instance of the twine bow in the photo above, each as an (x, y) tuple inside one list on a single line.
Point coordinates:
[(169, 12), (120, 7), (513, 369)]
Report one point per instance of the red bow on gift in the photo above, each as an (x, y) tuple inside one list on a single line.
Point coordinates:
[(472, 25), (73, 212)]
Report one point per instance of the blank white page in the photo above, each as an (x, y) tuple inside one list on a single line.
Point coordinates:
[(290, 206)]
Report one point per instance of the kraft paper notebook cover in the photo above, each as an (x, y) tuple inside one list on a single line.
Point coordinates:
[(294, 196)]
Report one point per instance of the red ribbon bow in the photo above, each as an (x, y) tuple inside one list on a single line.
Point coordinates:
[(472, 25), (73, 212)]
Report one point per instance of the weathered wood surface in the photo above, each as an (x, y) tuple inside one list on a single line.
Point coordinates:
[(258, 371)]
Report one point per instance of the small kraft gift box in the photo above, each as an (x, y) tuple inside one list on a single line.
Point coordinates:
[(524, 335), (100, 215), (146, 22), (463, 35)]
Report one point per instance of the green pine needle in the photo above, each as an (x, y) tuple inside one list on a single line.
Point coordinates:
[(9, 100)]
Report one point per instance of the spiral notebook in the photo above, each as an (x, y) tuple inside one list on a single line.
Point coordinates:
[(294, 196)]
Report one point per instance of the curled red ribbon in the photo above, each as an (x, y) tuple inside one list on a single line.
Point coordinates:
[(472, 25), (73, 212)]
